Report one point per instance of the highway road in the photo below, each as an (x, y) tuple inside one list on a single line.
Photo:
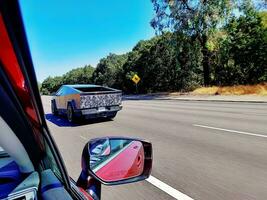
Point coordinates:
[(206, 150)]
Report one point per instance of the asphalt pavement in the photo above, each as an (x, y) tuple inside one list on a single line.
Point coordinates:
[(206, 150)]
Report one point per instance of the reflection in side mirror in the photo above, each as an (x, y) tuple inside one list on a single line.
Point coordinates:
[(117, 160), (100, 147), (125, 159)]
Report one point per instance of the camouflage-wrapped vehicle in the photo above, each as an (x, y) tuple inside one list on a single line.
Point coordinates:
[(88, 101)]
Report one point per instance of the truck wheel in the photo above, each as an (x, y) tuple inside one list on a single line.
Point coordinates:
[(70, 113), (54, 108)]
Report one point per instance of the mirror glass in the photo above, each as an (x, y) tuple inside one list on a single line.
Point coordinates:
[(116, 159)]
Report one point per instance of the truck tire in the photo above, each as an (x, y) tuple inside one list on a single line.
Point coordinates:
[(70, 113), (54, 108)]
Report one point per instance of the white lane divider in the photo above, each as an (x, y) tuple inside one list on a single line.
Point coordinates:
[(231, 131), (168, 189)]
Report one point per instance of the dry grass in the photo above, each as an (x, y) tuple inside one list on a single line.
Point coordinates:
[(206, 90), (259, 89)]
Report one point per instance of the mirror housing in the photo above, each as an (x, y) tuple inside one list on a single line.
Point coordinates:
[(117, 160)]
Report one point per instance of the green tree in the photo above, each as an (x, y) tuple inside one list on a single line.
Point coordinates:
[(137, 62), (244, 51), (195, 18), (50, 85), (109, 69), (263, 16), (159, 66), (80, 75), (196, 37)]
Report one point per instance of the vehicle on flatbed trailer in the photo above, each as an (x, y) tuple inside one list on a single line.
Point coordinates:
[(87, 101)]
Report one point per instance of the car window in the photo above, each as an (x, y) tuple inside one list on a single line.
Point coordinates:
[(64, 91), (92, 89), (118, 144), (2, 151), (50, 162), (59, 92), (190, 76), (103, 150)]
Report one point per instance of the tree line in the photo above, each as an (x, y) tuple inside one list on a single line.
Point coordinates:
[(198, 43)]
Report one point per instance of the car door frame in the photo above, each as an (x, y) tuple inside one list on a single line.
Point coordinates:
[(10, 11)]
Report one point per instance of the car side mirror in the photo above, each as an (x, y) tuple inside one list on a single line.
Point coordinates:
[(117, 160)]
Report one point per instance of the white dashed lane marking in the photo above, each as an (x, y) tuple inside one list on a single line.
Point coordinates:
[(168, 189), (231, 131)]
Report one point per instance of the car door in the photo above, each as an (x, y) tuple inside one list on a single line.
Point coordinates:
[(22, 110)]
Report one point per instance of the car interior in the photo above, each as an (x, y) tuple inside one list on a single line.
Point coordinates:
[(30, 166), (20, 178)]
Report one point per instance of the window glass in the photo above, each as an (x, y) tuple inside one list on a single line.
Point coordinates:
[(59, 92), (92, 89), (50, 162), (64, 91), (2, 151)]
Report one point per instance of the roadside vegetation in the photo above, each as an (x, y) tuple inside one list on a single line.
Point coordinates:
[(259, 89), (220, 43)]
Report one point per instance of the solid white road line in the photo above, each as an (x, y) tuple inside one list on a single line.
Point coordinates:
[(168, 189), (231, 131)]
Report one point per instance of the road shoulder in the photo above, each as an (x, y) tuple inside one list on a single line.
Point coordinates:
[(188, 97)]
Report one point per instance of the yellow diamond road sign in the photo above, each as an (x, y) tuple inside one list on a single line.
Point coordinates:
[(136, 79)]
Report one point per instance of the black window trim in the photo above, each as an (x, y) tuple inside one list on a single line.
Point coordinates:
[(10, 11)]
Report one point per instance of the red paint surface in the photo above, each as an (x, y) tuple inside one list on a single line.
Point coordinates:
[(12, 68), (8, 57), (86, 195), (129, 163)]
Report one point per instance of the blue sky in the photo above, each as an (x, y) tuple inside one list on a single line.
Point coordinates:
[(67, 34)]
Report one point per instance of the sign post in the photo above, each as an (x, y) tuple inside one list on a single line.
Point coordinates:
[(136, 80)]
